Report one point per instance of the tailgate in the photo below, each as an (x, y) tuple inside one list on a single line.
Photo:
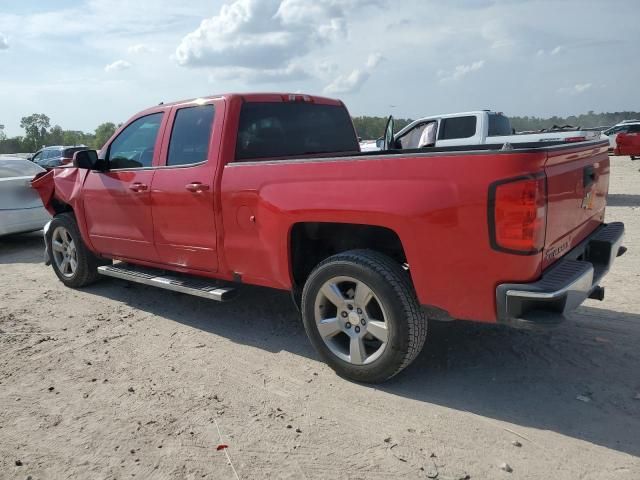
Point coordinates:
[(577, 186)]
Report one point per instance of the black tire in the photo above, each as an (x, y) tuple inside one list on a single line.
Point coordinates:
[(391, 285), (86, 271)]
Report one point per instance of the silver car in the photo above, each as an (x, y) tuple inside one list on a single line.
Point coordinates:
[(21, 209)]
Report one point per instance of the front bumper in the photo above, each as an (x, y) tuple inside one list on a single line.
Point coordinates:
[(47, 254), (564, 285)]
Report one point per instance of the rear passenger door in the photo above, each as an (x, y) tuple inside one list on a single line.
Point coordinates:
[(184, 187)]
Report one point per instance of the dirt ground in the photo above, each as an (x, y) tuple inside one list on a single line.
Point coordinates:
[(121, 381)]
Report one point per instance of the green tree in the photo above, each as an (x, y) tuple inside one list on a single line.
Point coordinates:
[(35, 129), (55, 136), (3, 136), (103, 133), (76, 137)]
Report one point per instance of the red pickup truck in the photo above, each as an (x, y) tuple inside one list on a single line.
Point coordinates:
[(272, 190)]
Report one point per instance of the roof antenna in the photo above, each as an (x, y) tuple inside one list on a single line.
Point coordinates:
[(161, 103)]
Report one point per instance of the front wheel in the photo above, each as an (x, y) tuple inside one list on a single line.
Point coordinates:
[(72, 262), (361, 314)]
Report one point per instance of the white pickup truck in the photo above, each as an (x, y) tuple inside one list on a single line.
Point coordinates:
[(482, 127)]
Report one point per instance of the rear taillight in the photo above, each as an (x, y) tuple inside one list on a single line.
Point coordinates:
[(65, 160), (518, 214), (575, 139)]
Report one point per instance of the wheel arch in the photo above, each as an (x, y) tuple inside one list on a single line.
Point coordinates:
[(312, 242)]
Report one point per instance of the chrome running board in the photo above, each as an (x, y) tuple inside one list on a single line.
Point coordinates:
[(198, 286)]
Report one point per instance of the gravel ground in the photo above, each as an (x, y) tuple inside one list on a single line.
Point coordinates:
[(121, 381)]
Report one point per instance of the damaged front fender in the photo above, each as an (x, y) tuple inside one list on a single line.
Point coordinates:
[(61, 191), (60, 187)]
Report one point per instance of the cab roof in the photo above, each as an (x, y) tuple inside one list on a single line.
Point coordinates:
[(258, 97)]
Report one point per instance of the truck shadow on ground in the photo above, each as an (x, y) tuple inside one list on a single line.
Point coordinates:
[(22, 248), (530, 379), (579, 379), (623, 200)]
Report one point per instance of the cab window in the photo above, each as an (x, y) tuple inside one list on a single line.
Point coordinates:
[(134, 146), (280, 130), (457, 127), (189, 142)]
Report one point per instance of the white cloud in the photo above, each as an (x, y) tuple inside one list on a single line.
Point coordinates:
[(557, 50), (292, 72), (140, 48), (581, 87), (498, 34), (577, 89), (460, 71), (353, 81), (540, 53), (4, 43), (373, 60), (117, 66), (265, 34)]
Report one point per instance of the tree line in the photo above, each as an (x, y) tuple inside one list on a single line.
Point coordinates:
[(373, 127), (38, 133)]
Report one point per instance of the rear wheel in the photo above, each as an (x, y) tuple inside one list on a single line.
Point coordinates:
[(72, 262), (361, 314)]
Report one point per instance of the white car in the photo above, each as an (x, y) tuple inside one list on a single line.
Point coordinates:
[(628, 126), (21, 209)]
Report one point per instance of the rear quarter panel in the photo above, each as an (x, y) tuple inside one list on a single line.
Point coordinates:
[(437, 204)]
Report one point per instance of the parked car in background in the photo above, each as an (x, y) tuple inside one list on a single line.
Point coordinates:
[(483, 127), (21, 209), (628, 126), (55, 156), (628, 144)]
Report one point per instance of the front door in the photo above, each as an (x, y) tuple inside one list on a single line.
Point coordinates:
[(183, 187), (117, 203)]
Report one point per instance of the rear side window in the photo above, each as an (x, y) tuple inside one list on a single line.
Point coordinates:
[(634, 128), (272, 130), (68, 152), (134, 146), (52, 153), (499, 125), (457, 127), (190, 135)]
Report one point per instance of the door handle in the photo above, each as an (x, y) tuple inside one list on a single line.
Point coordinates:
[(138, 187), (196, 187)]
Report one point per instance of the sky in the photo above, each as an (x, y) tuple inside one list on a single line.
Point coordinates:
[(85, 62)]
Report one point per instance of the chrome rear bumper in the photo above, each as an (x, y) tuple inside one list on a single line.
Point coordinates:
[(564, 285)]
